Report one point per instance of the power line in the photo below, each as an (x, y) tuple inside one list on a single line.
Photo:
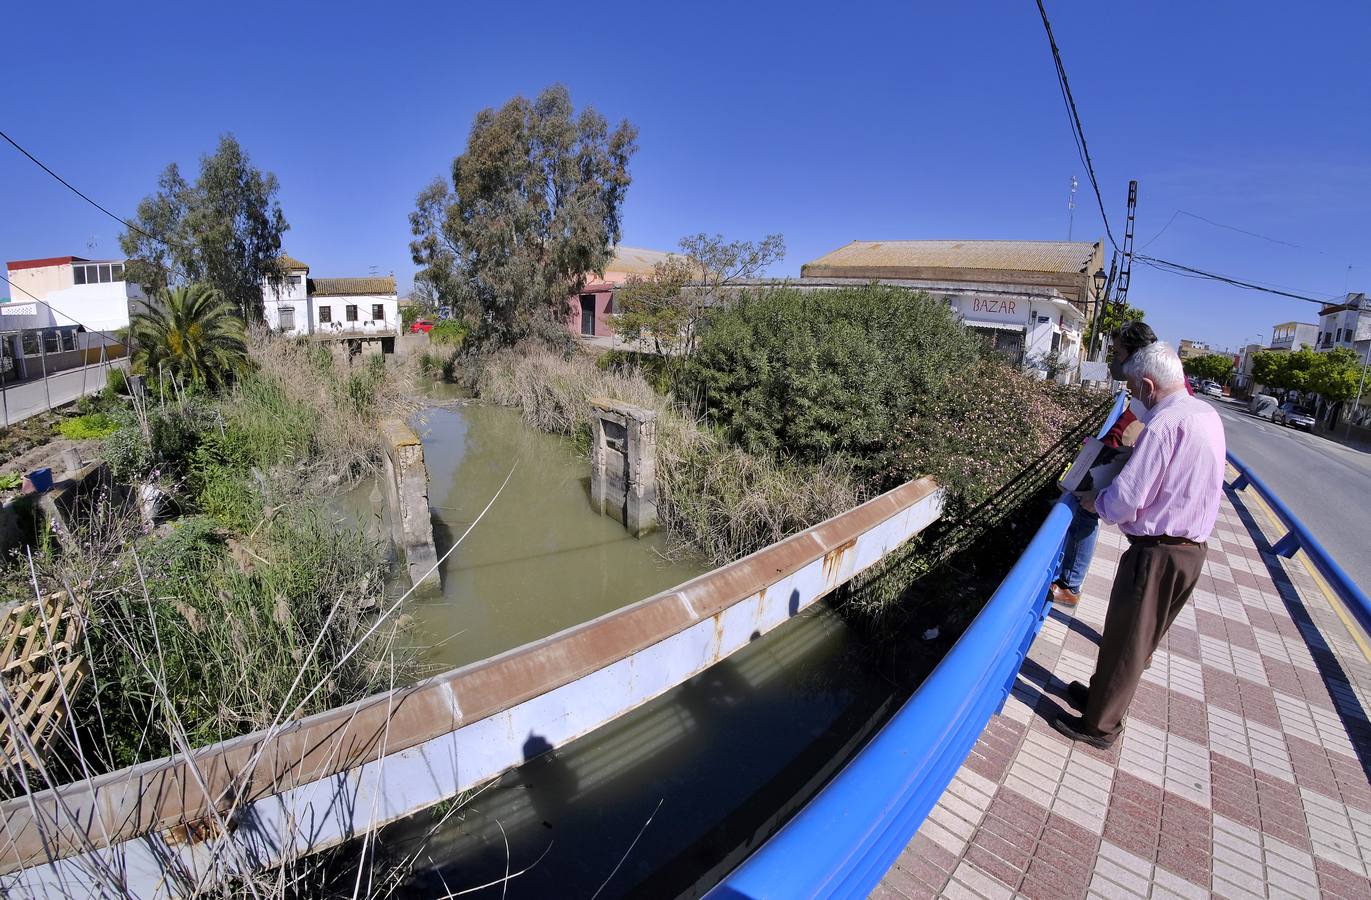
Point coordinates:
[(1077, 132), (71, 187), (1191, 272)]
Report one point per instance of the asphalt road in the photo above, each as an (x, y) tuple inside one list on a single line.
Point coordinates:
[(1325, 484)]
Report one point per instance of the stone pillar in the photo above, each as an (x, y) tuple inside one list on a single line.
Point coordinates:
[(407, 495), (623, 464)]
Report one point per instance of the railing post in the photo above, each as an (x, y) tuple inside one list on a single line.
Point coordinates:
[(1287, 545)]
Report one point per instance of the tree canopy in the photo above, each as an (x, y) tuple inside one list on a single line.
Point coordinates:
[(223, 230), (1211, 366), (670, 304), (1334, 375), (1112, 316), (534, 204)]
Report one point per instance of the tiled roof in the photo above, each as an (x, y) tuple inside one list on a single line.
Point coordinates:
[(1063, 257), (290, 262), (351, 287)]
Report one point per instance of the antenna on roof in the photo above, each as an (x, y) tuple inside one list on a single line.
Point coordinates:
[(1071, 208)]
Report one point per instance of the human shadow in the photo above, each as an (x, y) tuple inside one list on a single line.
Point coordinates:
[(1076, 625), (1335, 679)]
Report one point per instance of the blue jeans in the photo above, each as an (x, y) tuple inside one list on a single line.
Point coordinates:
[(1080, 548)]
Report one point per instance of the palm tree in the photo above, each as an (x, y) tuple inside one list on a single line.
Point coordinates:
[(193, 333)]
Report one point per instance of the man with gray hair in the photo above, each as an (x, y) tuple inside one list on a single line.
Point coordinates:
[(1165, 501)]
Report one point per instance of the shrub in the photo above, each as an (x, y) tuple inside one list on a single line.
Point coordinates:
[(91, 425), (988, 423), (451, 333), (809, 375), (10, 481), (116, 384), (655, 369)]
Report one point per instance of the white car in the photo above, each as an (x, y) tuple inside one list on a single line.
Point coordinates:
[(1212, 389)]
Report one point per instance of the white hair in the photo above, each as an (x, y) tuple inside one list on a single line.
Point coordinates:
[(1157, 362)]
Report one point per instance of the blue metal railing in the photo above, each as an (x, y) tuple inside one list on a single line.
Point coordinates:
[(1297, 537), (844, 840)]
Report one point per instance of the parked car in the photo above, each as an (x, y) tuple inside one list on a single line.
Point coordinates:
[(1212, 388), (1294, 416), (419, 325)]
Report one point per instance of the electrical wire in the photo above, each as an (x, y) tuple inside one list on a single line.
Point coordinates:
[(1077, 131), (88, 328), (71, 187), (1175, 268)]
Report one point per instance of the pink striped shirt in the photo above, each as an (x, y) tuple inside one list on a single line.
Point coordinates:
[(1172, 483)]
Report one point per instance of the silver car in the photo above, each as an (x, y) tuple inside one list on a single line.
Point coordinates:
[(1294, 416)]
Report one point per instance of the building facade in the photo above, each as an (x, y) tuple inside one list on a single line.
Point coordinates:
[(63, 313), (1027, 300), (1293, 336), (590, 313), (1346, 325), (364, 312)]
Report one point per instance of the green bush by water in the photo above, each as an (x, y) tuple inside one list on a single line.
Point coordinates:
[(813, 374)]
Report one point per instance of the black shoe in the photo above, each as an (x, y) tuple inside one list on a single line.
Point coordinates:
[(1079, 694), (1074, 728)]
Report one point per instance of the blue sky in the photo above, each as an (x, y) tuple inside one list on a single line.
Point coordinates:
[(824, 122)]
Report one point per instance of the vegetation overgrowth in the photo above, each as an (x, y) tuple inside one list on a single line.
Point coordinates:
[(220, 594), (796, 407)]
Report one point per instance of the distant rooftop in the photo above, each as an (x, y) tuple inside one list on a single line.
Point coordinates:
[(48, 261), (1060, 257), (290, 262), (635, 260), (351, 287)]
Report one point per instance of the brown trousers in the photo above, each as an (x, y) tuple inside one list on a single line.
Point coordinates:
[(1152, 584)]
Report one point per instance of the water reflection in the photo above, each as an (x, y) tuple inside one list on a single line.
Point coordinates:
[(540, 560), (715, 765)]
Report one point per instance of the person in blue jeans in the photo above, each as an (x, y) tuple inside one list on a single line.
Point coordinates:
[(1085, 526)]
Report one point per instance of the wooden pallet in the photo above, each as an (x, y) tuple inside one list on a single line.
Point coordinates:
[(40, 656)]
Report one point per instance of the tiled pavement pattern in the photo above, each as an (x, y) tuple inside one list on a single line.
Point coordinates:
[(1241, 771)]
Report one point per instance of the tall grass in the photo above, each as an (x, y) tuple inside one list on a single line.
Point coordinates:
[(713, 498)]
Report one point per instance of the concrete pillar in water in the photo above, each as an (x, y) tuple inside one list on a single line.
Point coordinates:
[(623, 463), (407, 490)]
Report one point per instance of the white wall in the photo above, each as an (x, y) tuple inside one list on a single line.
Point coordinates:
[(389, 321), (39, 282), (100, 307)]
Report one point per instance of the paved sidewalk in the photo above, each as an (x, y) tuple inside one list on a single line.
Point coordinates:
[(29, 398), (1242, 771)]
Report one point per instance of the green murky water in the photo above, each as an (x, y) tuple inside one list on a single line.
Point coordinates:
[(540, 560)]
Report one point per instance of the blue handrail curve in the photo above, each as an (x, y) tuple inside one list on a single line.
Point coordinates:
[(843, 841), (1298, 537)]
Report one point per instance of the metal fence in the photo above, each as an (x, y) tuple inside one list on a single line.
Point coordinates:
[(1297, 537), (844, 840)]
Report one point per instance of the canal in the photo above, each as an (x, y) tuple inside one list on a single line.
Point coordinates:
[(665, 800)]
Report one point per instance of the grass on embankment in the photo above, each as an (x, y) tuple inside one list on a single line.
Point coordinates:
[(718, 499), (244, 610)]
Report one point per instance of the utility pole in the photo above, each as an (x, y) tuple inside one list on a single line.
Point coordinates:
[(1126, 273)]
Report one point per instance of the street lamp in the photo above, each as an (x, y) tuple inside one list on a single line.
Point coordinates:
[(1099, 279)]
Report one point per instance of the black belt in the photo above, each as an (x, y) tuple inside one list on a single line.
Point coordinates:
[(1151, 540)]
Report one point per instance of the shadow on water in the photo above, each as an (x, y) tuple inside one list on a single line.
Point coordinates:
[(715, 765)]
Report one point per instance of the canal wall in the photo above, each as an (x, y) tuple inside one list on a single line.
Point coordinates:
[(269, 797)]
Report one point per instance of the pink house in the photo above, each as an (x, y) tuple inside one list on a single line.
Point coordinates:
[(590, 313)]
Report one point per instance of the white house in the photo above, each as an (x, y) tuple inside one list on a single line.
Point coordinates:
[(1346, 324), (62, 311), (353, 309)]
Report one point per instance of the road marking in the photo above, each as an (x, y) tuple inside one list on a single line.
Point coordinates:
[(1335, 602)]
